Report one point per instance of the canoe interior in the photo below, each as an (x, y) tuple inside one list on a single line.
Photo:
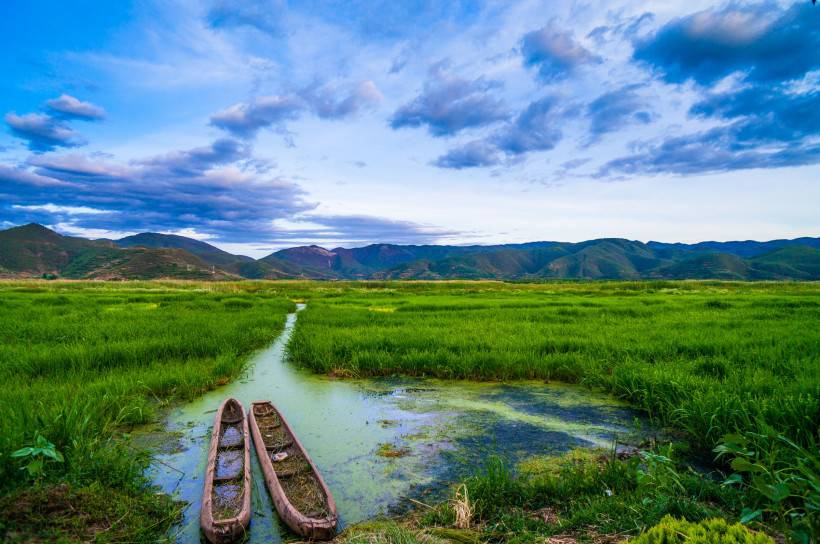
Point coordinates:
[(229, 468), (299, 483)]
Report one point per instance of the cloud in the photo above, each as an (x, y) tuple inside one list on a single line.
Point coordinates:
[(707, 152), (213, 189), (196, 161), (628, 27), (471, 155), (56, 209), (245, 119), (616, 109), (42, 132), (765, 114), (24, 177), (536, 128), (449, 104), (48, 131), (356, 230), (324, 102), (760, 41), (766, 118), (68, 107), (262, 16), (554, 52)]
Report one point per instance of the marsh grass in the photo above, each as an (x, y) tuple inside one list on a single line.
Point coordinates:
[(576, 494), (708, 358), (83, 362)]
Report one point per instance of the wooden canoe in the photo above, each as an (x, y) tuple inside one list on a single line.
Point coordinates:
[(226, 498), (301, 497)]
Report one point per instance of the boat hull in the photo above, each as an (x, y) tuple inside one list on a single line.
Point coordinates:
[(315, 528), (218, 529)]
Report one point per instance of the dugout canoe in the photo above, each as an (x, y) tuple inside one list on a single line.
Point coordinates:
[(226, 498), (299, 493)]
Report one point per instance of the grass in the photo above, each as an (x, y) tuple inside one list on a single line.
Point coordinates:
[(707, 358), (710, 359), (84, 362)]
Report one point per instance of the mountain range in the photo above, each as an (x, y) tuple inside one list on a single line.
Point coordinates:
[(35, 251)]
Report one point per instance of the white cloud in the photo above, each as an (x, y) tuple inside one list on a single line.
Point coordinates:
[(61, 210)]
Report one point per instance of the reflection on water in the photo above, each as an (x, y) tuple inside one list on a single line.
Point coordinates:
[(353, 429)]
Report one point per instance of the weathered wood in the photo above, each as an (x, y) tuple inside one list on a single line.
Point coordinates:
[(221, 530), (312, 524)]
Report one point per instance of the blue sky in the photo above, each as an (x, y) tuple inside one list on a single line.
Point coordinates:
[(260, 125)]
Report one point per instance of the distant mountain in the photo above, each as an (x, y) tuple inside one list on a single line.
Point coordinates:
[(33, 250), (209, 254), (745, 249), (375, 259)]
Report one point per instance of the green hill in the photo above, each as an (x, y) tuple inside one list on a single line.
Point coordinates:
[(208, 253), (720, 266), (147, 264), (794, 262), (33, 250)]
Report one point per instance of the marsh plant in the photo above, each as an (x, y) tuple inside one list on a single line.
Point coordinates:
[(37, 456), (732, 366)]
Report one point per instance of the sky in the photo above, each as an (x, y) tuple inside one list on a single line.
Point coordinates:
[(257, 125)]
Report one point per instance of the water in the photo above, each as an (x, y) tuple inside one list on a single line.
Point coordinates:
[(382, 444)]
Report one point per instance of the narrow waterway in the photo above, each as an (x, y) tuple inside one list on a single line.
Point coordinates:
[(380, 443)]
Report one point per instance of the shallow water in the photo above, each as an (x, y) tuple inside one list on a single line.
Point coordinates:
[(381, 444)]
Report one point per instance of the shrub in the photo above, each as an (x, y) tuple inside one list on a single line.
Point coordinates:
[(710, 531)]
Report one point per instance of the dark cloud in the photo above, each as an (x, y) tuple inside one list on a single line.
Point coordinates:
[(757, 40), (769, 128), (765, 114), (67, 107), (245, 119), (216, 190), (706, 152), (768, 119), (49, 131), (554, 52), (209, 189), (537, 128), (197, 161), (449, 104), (42, 132), (616, 109), (471, 155)]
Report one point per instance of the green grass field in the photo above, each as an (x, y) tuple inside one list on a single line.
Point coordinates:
[(82, 362), (708, 359)]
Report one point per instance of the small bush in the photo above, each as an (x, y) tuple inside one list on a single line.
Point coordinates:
[(710, 531)]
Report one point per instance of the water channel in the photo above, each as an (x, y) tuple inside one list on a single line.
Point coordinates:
[(381, 444)]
